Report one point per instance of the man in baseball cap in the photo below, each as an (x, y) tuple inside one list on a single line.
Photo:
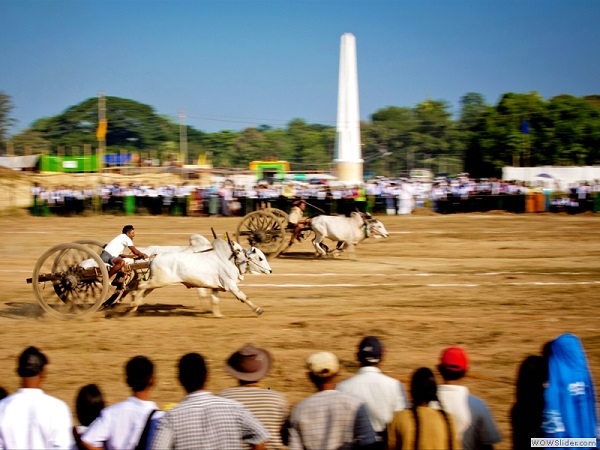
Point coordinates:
[(382, 395), (476, 426), (329, 418), (249, 365)]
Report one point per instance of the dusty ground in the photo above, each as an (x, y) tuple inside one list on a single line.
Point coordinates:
[(498, 284)]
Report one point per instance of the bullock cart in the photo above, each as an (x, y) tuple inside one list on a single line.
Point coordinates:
[(71, 281)]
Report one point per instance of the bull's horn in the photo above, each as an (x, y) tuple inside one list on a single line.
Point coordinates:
[(229, 241)]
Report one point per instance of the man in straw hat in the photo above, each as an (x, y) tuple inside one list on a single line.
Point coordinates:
[(30, 418), (329, 419), (249, 365)]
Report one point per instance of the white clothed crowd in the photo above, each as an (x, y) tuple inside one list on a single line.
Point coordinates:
[(407, 194)]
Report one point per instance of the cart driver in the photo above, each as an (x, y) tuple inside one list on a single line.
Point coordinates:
[(113, 252), (296, 220)]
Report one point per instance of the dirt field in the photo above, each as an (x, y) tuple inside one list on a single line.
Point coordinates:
[(498, 284)]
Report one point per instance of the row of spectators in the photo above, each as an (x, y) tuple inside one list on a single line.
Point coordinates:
[(460, 194), (555, 398)]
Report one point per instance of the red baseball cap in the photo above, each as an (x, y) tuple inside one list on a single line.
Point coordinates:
[(454, 359)]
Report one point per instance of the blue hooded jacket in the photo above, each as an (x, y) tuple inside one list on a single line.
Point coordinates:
[(569, 399)]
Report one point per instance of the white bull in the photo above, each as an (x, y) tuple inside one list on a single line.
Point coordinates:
[(346, 230), (255, 262), (201, 275)]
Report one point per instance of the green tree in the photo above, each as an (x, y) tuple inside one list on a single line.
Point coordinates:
[(6, 121), (220, 147), (30, 139), (310, 145), (472, 108), (390, 131), (571, 131), (250, 145), (131, 125)]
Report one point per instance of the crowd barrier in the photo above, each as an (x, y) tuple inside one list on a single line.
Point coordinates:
[(215, 205)]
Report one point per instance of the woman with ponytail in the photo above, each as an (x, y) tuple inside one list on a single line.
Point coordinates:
[(423, 427)]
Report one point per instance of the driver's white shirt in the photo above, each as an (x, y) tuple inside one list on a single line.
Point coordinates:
[(118, 245)]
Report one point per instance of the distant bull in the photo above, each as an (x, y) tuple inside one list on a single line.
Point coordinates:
[(346, 231)]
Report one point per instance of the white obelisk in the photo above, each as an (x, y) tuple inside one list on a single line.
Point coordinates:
[(348, 154)]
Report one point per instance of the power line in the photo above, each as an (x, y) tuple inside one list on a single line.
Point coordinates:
[(248, 120)]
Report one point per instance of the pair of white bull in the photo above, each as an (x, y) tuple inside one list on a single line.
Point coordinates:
[(218, 266)]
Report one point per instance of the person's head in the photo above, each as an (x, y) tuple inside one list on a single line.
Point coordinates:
[(423, 388), (89, 403), (139, 371), (249, 364), (322, 367), (129, 231), (192, 372), (31, 364), (453, 364), (370, 351), (300, 204), (533, 373)]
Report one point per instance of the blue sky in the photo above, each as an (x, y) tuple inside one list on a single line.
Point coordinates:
[(234, 64)]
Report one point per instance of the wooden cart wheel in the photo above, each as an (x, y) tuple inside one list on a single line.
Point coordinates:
[(264, 230), (65, 289), (95, 245), (281, 215)]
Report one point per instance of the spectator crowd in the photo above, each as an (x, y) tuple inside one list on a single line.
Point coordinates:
[(383, 196), (555, 398)]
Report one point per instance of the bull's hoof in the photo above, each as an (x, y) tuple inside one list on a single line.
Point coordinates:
[(259, 311)]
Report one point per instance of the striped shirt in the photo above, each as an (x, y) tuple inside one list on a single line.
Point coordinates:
[(203, 421), (269, 407), (330, 420)]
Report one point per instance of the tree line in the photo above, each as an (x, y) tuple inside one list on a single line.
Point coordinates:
[(520, 130)]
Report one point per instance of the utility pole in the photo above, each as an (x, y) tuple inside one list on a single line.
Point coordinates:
[(183, 147), (101, 131)]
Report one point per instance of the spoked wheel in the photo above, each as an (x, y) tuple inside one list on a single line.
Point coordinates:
[(264, 230), (97, 247), (93, 244), (64, 287), (281, 215)]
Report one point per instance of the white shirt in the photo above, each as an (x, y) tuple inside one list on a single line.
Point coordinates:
[(32, 419), (118, 245), (120, 426), (382, 395), (455, 400)]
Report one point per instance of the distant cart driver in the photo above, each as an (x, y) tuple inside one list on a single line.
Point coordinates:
[(296, 220), (113, 253)]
